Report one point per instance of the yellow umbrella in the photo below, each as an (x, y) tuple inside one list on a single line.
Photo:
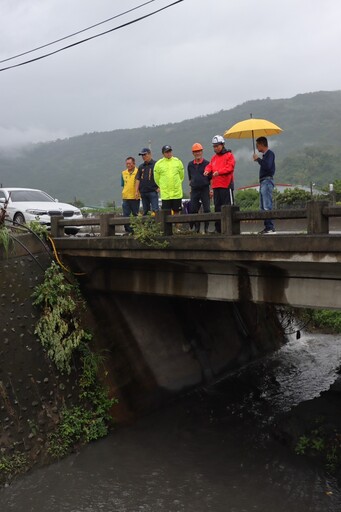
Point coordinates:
[(251, 128)]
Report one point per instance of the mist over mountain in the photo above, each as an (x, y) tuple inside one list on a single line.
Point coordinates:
[(88, 167)]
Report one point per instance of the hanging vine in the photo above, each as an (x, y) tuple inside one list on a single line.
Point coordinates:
[(59, 329)]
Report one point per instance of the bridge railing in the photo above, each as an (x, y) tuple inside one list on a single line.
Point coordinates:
[(317, 215)]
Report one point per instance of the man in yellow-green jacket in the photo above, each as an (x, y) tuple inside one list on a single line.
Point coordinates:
[(168, 175)]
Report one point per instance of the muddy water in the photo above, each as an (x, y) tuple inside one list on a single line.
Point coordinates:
[(209, 451)]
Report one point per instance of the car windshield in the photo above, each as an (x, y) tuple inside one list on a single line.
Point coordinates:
[(30, 195)]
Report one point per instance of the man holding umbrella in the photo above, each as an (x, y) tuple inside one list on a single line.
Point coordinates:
[(261, 128), (266, 180)]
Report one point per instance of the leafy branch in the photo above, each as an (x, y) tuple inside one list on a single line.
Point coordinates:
[(148, 232), (58, 328)]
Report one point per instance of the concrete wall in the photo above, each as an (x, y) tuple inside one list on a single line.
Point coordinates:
[(32, 391)]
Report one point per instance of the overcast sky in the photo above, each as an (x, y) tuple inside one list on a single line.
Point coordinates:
[(195, 58)]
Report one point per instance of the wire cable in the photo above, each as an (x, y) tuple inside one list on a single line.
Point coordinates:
[(28, 251), (25, 228), (61, 264), (76, 33), (92, 37)]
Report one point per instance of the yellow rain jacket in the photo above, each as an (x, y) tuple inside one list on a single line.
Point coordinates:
[(168, 175)]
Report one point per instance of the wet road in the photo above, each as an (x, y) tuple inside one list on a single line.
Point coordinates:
[(209, 451)]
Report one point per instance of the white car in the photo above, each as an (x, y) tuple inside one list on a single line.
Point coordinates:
[(28, 204)]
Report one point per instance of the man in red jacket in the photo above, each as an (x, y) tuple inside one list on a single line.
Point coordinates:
[(221, 167)]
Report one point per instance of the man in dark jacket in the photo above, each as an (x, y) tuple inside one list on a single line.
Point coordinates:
[(145, 183), (266, 180), (199, 183)]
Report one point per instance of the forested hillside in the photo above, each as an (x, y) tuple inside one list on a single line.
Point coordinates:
[(88, 167)]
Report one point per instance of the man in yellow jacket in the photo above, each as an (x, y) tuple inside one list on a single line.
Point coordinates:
[(130, 197), (168, 175)]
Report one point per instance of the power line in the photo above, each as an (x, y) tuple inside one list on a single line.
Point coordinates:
[(76, 33), (91, 37)]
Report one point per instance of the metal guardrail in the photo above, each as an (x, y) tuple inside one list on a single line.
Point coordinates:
[(317, 214)]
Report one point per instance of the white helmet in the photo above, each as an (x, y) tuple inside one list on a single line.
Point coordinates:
[(218, 139)]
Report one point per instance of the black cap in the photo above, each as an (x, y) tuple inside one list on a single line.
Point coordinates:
[(144, 151), (166, 148)]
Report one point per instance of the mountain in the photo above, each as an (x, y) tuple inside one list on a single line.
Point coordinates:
[(87, 167)]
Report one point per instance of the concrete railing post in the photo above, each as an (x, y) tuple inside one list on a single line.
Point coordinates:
[(56, 230), (105, 229), (160, 218), (318, 224), (229, 226)]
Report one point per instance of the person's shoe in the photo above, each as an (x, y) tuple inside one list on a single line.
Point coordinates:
[(267, 231)]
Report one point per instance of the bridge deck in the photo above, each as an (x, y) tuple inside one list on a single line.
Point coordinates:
[(297, 270)]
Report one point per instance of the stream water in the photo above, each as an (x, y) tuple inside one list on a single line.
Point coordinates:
[(211, 450)]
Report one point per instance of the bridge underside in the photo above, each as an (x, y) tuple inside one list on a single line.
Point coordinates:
[(294, 270), (227, 282)]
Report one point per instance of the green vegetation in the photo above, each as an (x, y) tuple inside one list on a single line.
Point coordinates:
[(247, 199), (39, 229), (322, 443), (147, 231), (291, 197), (91, 419), (5, 239), (320, 165), (59, 328), (60, 332), (322, 318), (12, 465)]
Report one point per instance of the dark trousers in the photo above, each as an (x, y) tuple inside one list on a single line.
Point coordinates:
[(171, 204), (200, 196), (221, 196), (150, 201), (130, 206)]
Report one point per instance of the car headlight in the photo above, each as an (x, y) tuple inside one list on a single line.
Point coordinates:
[(37, 212)]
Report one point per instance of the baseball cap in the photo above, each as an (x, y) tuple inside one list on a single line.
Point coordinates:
[(166, 148), (144, 151)]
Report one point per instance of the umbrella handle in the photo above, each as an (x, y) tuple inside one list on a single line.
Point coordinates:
[(253, 141)]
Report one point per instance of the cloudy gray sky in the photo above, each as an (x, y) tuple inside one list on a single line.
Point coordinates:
[(195, 58)]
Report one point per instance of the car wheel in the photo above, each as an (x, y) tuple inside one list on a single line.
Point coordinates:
[(19, 218)]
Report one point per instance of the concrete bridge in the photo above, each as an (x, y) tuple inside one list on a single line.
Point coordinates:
[(158, 341), (300, 269)]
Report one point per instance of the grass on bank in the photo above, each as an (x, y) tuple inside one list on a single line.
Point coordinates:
[(323, 319)]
